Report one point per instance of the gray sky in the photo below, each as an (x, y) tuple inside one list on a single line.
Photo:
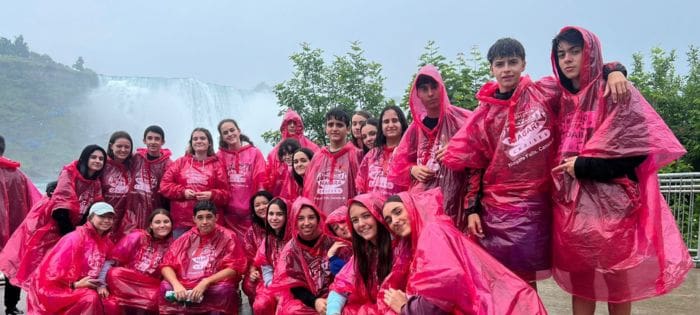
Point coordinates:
[(243, 43)]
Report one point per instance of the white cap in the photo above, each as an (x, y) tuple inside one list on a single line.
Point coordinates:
[(101, 208)]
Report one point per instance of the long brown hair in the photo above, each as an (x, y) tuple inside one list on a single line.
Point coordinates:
[(210, 150), (153, 215), (364, 249)]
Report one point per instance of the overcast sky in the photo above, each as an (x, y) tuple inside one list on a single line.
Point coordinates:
[(243, 43)]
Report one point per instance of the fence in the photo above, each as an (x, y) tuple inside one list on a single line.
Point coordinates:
[(682, 192)]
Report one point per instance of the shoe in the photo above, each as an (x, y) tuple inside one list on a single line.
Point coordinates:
[(13, 311)]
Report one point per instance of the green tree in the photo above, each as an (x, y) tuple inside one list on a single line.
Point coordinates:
[(21, 48), (357, 82), (79, 64)]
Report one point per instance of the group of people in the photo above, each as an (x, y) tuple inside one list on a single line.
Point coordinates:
[(459, 212)]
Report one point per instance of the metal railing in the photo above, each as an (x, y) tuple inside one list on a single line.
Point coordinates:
[(682, 193)]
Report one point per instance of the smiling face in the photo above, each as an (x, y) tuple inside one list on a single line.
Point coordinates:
[(231, 134), (102, 223), (121, 149), (307, 224), (391, 125), (96, 161), (161, 226), (260, 206), (369, 135), (300, 161), (363, 223), (396, 217), (276, 218), (154, 142), (507, 72), (200, 142), (341, 230)]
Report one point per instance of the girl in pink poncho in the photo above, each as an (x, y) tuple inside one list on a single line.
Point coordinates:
[(615, 239), (300, 162), (245, 169), (253, 239), (117, 180)]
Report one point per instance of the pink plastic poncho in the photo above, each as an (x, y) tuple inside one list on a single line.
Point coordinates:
[(194, 257), (373, 175), (188, 173), (146, 198), (117, 185), (79, 254), (330, 178), (338, 216), (614, 241), (278, 171), (420, 144), (17, 195), (302, 266), (512, 141), (134, 281), (245, 169), (252, 240), (39, 232)]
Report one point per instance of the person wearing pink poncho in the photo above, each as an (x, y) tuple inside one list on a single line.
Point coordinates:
[(435, 120), (203, 267), (17, 195), (117, 180), (132, 276), (301, 278), (278, 172), (614, 239), (199, 175), (253, 239), (245, 170), (301, 159), (149, 165), (67, 280), (330, 178), (462, 279), (77, 188)]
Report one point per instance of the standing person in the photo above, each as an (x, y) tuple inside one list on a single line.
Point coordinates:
[(615, 239), (373, 174), (132, 274), (17, 196), (292, 127), (67, 281), (245, 169), (333, 170), (203, 268), (78, 187), (415, 164), (369, 134), (358, 119), (199, 175), (117, 180), (149, 165), (300, 162), (253, 239)]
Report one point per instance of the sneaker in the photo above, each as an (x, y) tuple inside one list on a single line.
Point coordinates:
[(13, 311)]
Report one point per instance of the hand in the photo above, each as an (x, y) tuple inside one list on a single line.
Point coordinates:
[(103, 292), (198, 291), (567, 166), (180, 292), (422, 173), (253, 274), (396, 299), (86, 282), (334, 248), (203, 195), (474, 225), (617, 87), (320, 305), (441, 149), (189, 194)]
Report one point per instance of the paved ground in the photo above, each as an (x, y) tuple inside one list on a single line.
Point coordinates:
[(681, 301)]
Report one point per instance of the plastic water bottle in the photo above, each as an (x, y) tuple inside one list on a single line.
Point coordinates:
[(170, 296)]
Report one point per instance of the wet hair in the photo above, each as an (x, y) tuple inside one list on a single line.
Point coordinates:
[(153, 214), (50, 187), (155, 129), (243, 138), (340, 114), (257, 220), (85, 157), (116, 136), (425, 79), (287, 146), (374, 122), (363, 249), (298, 178), (206, 205), (574, 38), (505, 47), (2, 145), (381, 138), (206, 132)]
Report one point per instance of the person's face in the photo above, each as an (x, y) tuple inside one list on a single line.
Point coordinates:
[(341, 230), (260, 205), (200, 143), (287, 158), (276, 218), (154, 142), (307, 224), (369, 135), (161, 225), (429, 95), (396, 217), (205, 221), (357, 122), (121, 149), (391, 126), (96, 161), (292, 128), (507, 72), (336, 130), (102, 223), (300, 162), (231, 134), (363, 222), (569, 59)]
